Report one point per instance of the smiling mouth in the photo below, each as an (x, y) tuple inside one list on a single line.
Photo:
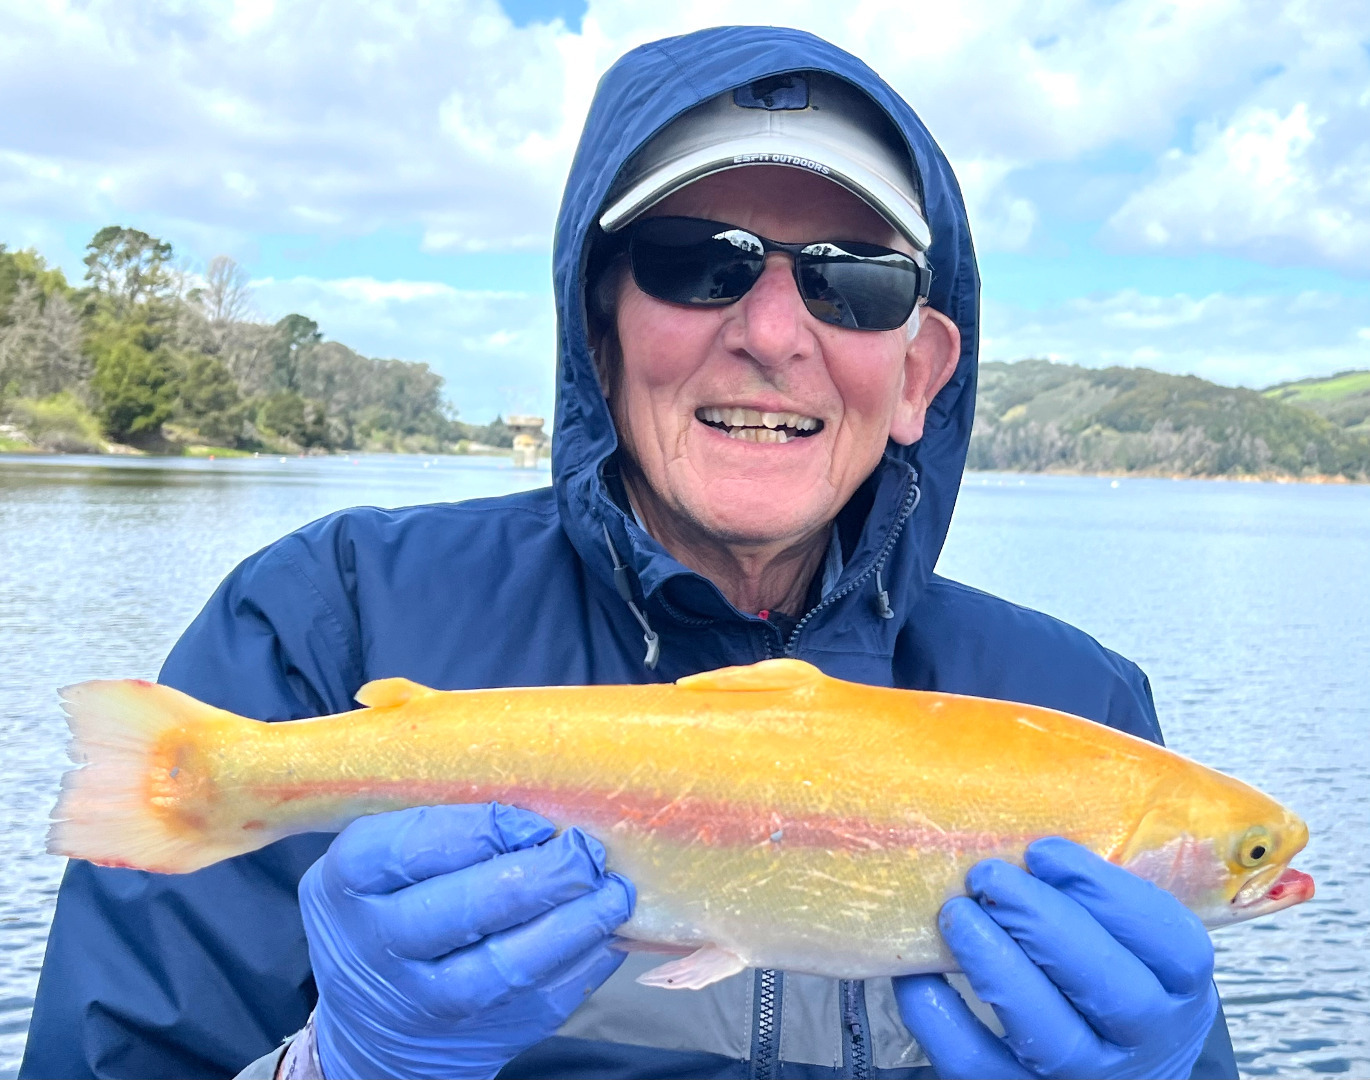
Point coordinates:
[(754, 426)]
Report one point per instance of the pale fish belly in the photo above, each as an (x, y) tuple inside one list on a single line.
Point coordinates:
[(822, 911)]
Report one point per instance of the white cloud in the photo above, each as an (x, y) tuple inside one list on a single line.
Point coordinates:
[(1000, 220), (496, 350), (261, 117), (1236, 340), (1289, 188), (1008, 86), (250, 116)]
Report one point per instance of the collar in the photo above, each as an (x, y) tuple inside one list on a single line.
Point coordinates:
[(832, 561)]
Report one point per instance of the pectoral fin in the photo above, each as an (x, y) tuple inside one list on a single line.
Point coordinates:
[(387, 693), (703, 967), (783, 674)]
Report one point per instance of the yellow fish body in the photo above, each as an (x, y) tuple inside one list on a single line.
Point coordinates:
[(770, 816)]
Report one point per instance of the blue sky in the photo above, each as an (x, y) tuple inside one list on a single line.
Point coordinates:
[(1184, 186)]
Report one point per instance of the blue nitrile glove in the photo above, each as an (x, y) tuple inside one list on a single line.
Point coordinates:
[(1092, 971), (447, 939)]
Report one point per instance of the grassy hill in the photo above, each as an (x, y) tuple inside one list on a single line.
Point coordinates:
[(1035, 416), (1344, 399)]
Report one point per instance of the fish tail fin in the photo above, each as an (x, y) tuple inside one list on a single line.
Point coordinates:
[(121, 806)]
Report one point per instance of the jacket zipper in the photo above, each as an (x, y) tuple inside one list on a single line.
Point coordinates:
[(764, 1050), (912, 496), (854, 1021)]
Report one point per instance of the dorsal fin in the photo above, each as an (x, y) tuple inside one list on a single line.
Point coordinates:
[(766, 675), (387, 693)]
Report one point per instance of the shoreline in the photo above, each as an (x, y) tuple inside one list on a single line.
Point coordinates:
[(118, 450), (10, 447), (1148, 474)]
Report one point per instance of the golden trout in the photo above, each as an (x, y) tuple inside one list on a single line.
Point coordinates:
[(770, 816)]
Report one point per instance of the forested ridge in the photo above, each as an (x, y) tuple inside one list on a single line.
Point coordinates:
[(1034, 415), (144, 354)]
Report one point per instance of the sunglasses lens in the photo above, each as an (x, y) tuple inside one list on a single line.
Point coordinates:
[(690, 261), (708, 263), (859, 288)]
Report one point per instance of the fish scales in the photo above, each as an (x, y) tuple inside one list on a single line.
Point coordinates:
[(624, 758), (786, 818)]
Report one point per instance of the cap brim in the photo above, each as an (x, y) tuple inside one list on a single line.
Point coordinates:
[(768, 148)]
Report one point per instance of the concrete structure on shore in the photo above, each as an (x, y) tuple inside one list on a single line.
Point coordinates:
[(528, 439)]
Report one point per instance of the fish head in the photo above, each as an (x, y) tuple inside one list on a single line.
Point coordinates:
[(1222, 848)]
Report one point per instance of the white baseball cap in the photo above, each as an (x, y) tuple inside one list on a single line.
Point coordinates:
[(802, 120)]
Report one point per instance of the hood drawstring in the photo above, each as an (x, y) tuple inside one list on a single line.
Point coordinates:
[(650, 638), (882, 596)]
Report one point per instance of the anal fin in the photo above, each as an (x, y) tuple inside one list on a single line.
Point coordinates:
[(703, 967)]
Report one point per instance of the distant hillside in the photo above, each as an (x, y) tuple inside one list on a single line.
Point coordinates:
[(1038, 416), (1344, 399)]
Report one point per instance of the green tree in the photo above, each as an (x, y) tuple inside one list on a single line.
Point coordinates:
[(27, 266), (209, 400), (290, 344), (296, 418), (134, 380), (495, 433), (129, 267)]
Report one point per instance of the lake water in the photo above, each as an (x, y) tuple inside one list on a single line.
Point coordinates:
[(1247, 604)]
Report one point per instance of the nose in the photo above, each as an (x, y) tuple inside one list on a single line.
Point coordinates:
[(769, 323)]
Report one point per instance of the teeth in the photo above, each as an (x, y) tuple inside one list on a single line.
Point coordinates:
[(751, 418), (758, 434)]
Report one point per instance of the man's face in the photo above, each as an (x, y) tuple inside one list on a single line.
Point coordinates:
[(694, 381)]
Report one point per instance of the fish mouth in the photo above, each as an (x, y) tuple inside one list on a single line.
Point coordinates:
[(1273, 889), (757, 425)]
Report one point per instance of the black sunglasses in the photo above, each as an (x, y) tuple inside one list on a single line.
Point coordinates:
[(700, 263)]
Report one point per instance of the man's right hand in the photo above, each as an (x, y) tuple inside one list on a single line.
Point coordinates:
[(447, 939)]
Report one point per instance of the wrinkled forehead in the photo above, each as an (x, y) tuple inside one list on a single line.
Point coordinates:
[(786, 204)]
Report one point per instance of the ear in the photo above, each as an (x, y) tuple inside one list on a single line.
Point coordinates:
[(929, 363)]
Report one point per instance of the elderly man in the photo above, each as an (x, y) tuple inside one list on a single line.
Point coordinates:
[(767, 338)]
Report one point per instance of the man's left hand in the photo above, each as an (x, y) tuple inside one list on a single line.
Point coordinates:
[(1092, 971)]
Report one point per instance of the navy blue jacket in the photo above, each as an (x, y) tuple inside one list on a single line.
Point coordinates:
[(196, 975)]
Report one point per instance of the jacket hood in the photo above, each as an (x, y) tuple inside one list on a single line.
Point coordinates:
[(644, 91)]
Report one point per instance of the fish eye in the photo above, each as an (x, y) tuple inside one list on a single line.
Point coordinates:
[(1255, 845)]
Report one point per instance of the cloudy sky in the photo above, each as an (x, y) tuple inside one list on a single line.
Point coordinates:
[(1184, 186)]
